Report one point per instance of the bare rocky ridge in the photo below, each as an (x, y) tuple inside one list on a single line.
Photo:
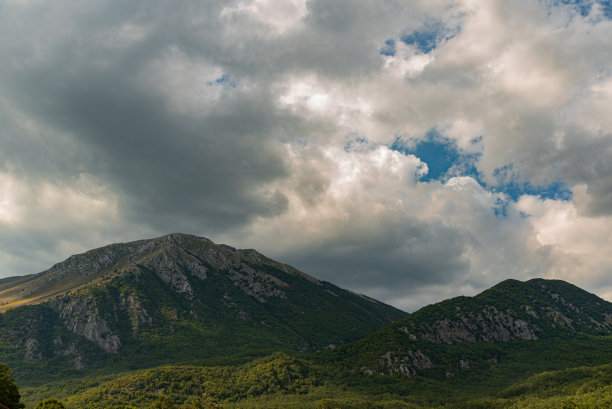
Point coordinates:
[(169, 256), (489, 325)]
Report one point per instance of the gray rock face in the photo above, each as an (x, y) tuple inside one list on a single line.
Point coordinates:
[(407, 364), (32, 350), (490, 325), (503, 326), (70, 352), (81, 316), (447, 331), (138, 315), (167, 267)]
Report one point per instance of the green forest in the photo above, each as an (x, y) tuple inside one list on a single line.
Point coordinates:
[(574, 373)]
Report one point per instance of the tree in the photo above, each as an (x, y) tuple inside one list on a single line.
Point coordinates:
[(50, 404), (162, 403), (121, 407), (9, 393), (569, 403), (201, 402), (325, 404)]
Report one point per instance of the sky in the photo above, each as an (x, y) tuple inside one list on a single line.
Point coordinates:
[(408, 150)]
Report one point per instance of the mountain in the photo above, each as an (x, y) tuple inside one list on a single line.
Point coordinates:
[(464, 333), (539, 344), (174, 299)]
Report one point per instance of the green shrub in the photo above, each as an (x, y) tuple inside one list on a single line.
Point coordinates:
[(50, 404)]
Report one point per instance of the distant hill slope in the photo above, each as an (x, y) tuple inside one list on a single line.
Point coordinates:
[(463, 332), (277, 373), (177, 298)]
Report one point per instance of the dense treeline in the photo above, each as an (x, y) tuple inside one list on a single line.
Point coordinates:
[(281, 381), (278, 373)]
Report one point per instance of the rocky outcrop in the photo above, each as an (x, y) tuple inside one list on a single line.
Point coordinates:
[(256, 284), (81, 315), (447, 331), (167, 267), (70, 352), (172, 263), (504, 326), (490, 325), (32, 350), (394, 363), (130, 303), (558, 318)]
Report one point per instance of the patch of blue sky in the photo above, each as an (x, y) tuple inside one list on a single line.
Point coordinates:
[(607, 8), (223, 80), (501, 207), (509, 184), (430, 36), (443, 157), (389, 48), (425, 40), (357, 143), (557, 190), (445, 160), (584, 7)]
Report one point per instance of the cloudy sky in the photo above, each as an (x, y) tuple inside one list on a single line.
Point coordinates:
[(411, 150)]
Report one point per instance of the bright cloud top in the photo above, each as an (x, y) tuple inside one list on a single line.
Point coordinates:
[(408, 150)]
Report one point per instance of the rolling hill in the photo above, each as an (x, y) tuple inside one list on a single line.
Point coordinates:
[(463, 333)]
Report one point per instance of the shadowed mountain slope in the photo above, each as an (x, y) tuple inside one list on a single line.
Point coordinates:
[(464, 332)]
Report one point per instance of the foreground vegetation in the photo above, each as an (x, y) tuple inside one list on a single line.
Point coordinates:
[(575, 388), (569, 374)]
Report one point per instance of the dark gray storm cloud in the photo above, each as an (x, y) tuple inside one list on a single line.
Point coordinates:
[(395, 258), (202, 169)]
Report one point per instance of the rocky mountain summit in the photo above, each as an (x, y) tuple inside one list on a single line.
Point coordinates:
[(176, 298), (511, 310), (173, 257), (476, 328)]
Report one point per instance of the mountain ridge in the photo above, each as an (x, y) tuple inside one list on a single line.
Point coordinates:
[(460, 332), (175, 298), (93, 264)]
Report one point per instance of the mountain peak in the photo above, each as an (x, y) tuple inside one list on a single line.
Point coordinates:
[(126, 298), (168, 253)]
